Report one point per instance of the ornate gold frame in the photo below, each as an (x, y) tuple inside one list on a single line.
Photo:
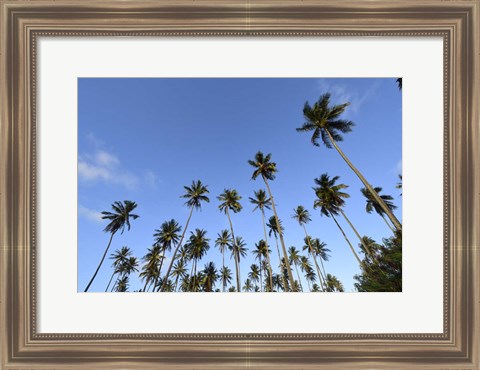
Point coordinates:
[(23, 21)]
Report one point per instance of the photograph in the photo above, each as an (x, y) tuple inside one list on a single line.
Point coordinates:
[(251, 185)]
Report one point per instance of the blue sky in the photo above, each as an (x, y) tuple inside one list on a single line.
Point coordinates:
[(144, 139)]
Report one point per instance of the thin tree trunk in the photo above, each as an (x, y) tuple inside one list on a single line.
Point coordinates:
[(320, 277), (159, 268), (358, 235), (348, 241), (308, 282), (261, 275), (176, 283), (175, 253), (115, 283), (236, 256), (100, 264), (268, 254), (298, 275), (146, 283), (111, 278), (390, 226), (379, 200), (289, 270), (280, 265), (223, 270)]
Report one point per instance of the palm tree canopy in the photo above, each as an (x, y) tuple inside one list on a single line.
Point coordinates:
[(294, 255), (330, 197), (333, 284), (168, 234), (372, 204), (261, 200), (320, 249), (263, 166), (260, 250), (230, 200), (198, 244), (226, 275), (119, 257), (196, 194), (120, 217), (322, 117), (239, 248), (223, 241), (272, 226), (301, 215)]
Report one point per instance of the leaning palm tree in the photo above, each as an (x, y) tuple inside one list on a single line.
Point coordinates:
[(302, 216), (118, 220), (295, 261), (223, 242), (197, 246), (321, 251), (265, 168), (262, 202), (330, 199), (323, 120), (372, 204), (230, 201), (272, 229), (195, 195), (308, 246), (119, 257), (166, 237)]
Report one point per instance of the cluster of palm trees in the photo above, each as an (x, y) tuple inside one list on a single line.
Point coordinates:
[(180, 271)]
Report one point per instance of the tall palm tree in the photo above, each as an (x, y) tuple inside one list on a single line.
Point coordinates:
[(372, 204), (195, 195), (248, 287), (254, 274), (197, 246), (230, 201), (179, 271), (321, 251), (150, 269), (333, 284), (223, 242), (166, 237), (225, 275), (119, 257), (262, 202), (323, 120), (295, 261), (118, 220), (261, 251), (265, 168), (330, 199), (306, 268), (239, 250), (210, 276), (272, 229), (302, 216)]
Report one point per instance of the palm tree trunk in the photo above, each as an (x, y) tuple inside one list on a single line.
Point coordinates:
[(159, 268), (146, 283), (323, 268), (236, 257), (348, 241), (176, 282), (100, 264), (357, 234), (320, 277), (298, 275), (261, 274), (378, 199), (111, 278), (308, 282), (390, 226), (223, 268), (289, 270), (175, 253), (268, 254), (280, 264)]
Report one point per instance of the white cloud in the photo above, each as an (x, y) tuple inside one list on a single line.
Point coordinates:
[(150, 178), (340, 94), (89, 214)]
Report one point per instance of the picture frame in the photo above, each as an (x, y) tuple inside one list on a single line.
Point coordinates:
[(23, 22)]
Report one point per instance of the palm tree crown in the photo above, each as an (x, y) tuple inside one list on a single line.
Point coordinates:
[(263, 166), (196, 194), (330, 197), (261, 200), (301, 215), (230, 200), (168, 234), (372, 204), (121, 217)]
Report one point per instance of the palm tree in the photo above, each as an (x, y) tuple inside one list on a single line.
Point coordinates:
[(118, 257), (122, 285), (321, 251), (265, 168), (197, 246), (195, 195), (166, 237), (373, 205), (303, 217), (272, 226), (230, 201), (330, 199), (150, 270), (324, 121), (238, 250), (223, 241), (254, 274), (261, 250), (262, 202), (118, 220), (295, 260), (333, 284), (248, 287), (306, 268), (179, 271), (226, 276), (399, 184), (210, 276)]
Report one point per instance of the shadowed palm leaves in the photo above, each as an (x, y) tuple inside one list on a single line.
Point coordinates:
[(372, 204), (179, 271), (295, 261), (166, 237), (323, 120), (197, 246), (150, 271), (333, 284), (306, 268), (265, 168), (321, 251), (119, 257), (195, 195), (210, 277), (262, 202), (230, 201), (223, 242), (254, 274), (119, 219), (248, 287), (261, 251), (226, 276), (272, 229), (239, 250)]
